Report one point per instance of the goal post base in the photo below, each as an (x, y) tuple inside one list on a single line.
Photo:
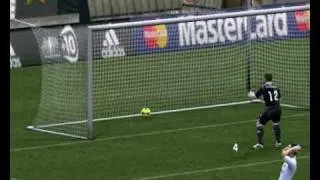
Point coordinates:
[(32, 128)]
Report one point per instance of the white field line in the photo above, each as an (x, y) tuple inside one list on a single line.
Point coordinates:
[(144, 134), (138, 115), (154, 113), (215, 169)]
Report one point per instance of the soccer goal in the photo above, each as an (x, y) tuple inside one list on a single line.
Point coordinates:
[(172, 65)]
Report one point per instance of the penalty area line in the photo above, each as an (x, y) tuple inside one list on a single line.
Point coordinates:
[(214, 169), (144, 134)]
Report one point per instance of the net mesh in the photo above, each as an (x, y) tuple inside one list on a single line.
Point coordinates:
[(63, 84), (163, 78), (182, 65), (288, 59), (174, 66)]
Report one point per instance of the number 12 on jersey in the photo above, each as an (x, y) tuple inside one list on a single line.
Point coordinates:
[(273, 95)]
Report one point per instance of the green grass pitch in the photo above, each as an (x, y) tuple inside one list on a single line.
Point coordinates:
[(186, 145)]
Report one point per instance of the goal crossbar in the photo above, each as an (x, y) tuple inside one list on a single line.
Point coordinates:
[(251, 12)]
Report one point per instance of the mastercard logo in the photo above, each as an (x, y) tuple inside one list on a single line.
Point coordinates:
[(156, 36), (303, 20)]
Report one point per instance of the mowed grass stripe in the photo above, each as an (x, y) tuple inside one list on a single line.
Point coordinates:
[(145, 134), (214, 169)]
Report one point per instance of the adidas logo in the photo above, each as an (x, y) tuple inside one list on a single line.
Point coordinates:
[(111, 45)]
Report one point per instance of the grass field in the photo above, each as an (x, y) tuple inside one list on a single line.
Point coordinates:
[(175, 80), (185, 145)]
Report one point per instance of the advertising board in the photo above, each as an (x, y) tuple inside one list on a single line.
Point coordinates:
[(220, 32), (68, 43), (65, 42), (181, 36)]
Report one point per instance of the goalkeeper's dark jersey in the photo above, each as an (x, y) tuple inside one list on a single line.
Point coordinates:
[(270, 94)]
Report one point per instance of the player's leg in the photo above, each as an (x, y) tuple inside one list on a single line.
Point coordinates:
[(261, 122), (276, 117)]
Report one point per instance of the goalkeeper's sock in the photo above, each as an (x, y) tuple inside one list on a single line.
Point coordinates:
[(277, 132), (260, 133)]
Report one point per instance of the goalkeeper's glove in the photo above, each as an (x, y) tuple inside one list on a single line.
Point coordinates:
[(251, 95)]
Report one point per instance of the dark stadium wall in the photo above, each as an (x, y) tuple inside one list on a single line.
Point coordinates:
[(72, 6), (68, 6), (35, 8), (42, 8), (233, 3)]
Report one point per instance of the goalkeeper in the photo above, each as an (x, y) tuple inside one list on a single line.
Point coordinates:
[(271, 97)]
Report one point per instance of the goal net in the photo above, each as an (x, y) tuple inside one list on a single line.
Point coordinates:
[(64, 86), (176, 64)]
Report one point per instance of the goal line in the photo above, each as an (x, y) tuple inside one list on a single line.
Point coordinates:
[(153, 113)]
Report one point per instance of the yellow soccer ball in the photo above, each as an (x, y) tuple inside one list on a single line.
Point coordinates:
[(145, 112)]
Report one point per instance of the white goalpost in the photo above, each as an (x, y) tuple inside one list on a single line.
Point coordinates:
[(172, 65)]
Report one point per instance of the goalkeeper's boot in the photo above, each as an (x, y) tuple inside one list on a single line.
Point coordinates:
[(257, 146), (278, 144)]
